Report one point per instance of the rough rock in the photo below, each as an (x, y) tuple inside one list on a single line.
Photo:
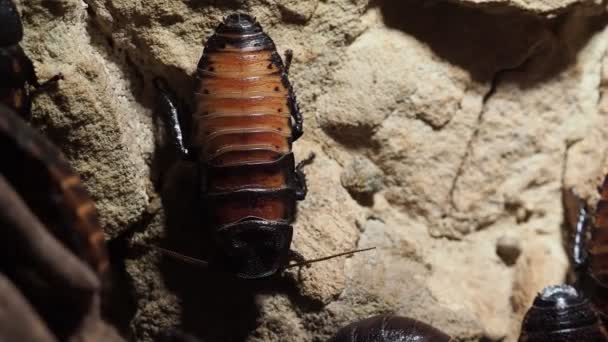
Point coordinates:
[(362, 179), (474, 113)]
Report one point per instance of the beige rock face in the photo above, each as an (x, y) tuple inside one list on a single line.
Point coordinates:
[(461, 122)]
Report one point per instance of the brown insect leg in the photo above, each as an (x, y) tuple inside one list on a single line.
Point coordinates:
[(18, 321), (31, 240), (300, 177), (288, 59)]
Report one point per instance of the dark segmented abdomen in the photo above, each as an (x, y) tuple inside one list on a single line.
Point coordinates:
[(561, 314), (389, 328), (242, 126), (52, 190), (597, 274)]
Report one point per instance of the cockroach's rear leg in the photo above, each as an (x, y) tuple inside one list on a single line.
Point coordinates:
[(300, 177), (169, 108)]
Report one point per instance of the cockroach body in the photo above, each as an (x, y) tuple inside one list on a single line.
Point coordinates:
[(561, 314), (16, 68), (41, 175), (389, 328), (590, 255), (246, 120)]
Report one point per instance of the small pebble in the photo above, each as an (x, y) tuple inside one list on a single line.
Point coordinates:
[(362, 177), (508, 249)]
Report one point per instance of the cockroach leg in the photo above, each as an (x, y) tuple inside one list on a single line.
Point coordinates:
[(297, 257), (300, 177), (579, 247), (288, 59), (297, 126), (170, 110)]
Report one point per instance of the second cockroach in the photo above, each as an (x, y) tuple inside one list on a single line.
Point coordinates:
[(590, 252), (389, 328), (50, 227)]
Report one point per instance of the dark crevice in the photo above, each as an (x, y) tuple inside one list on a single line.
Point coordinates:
[(498, 76), (433, 125), (501, 7)]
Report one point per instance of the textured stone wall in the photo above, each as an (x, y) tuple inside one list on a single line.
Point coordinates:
[(444, 134)]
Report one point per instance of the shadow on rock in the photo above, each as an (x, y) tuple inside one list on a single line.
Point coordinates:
[(486, 43), (215, 306)]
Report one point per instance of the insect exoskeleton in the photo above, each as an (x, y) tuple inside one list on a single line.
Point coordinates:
[(16, 68), (390, 328), (243, 133), (561, 313), (41, 175), (594, 277), (245, 122), (590, 251)]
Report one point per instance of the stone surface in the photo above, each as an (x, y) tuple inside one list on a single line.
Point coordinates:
[(362, 179), (475, 114)]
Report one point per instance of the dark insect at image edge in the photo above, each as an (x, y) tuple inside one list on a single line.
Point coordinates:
[(16, 68)]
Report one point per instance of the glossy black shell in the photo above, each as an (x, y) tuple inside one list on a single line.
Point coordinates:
[(561, 314), (389, 328)]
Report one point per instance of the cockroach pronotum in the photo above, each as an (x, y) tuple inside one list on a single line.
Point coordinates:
[(16, 68), (590, 255), (246, 120), (50, 225), (561, 313), (390, 328)]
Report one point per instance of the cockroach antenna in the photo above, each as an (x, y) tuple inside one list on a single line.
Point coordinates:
[(312, 261), (172, 254), (203, 263)]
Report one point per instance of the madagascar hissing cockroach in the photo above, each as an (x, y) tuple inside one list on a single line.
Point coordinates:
[(561, 314), (389, 328), (53, 247), (590, 252), (246, 120), (16, 67), (41, 175)]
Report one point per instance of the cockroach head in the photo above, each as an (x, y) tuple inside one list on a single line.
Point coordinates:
[(239, 23), (11, 29), (253, 248)]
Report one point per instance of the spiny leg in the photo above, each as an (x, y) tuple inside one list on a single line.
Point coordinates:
[(300, 177), (288, 59), (297, 257), (298, 124), (579, 250), (171, 112)]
